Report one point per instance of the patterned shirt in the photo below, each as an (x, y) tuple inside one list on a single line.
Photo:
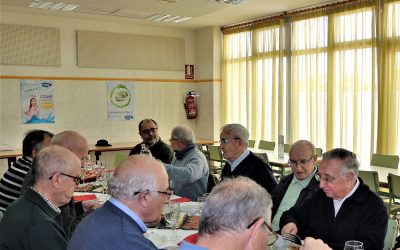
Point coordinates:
[(11, 182)]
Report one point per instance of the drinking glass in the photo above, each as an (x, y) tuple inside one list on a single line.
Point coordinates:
[(353, 245), (171, 215), (201, 201)]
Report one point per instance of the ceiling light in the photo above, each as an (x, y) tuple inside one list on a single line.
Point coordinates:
[(167, 18), (52, 6), (235, 2)]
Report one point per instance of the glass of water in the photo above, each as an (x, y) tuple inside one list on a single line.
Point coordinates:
[(353, 245)]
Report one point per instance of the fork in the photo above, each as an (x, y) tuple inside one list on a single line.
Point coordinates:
[(293, 238)]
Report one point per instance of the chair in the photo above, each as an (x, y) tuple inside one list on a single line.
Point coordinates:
[(370, 179), (251, 143), (263, 156), (394, 194), (215, 157), (391, 234), (266, 145), (286, 148), (387, 161), (118, 158), (318, 151)]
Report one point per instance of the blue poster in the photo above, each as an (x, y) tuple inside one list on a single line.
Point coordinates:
[(37, 101), (120, 101)]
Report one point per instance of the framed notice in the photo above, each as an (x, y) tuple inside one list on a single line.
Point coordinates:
[(120, 101)]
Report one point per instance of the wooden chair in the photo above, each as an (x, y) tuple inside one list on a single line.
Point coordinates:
[(266, 145), (251, 143), (370, 178), (394, 194), (386, 161)]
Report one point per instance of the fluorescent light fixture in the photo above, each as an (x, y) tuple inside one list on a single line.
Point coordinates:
[(235, 2), (57, 6), (167, 18)]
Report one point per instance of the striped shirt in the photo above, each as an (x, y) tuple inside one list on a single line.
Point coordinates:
[(11, 182)]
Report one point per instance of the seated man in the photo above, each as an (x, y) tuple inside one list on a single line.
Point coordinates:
[(242, 162), (11, 182), (246, 226), (148, 131), (34, 221), (138, 189), (72, 212), (343, 209), (295, 188), (189, 169)]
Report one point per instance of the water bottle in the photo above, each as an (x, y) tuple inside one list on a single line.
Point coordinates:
[(144, 150)]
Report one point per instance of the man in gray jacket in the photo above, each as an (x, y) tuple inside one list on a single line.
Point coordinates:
[(188, 170)]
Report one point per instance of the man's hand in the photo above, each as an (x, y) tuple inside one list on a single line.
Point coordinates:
[(289, 228), (90, 205), (313, 244)]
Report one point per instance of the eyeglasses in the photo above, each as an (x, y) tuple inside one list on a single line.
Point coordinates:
[(148, 131), (328, 178), (167, 193), (77, 179), (224, 141), (272, 236), (301, 162)]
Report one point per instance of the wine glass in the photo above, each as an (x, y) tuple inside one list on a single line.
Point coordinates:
[(353, 245), (171, 215)]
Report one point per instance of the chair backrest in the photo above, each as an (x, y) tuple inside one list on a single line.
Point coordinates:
[(200, 147), (391, 234), (214, 153), (370, 178), (267, 145), (387, 161), (318, 151), (263, 156), (251, 143), (394, 192), (118, 158), (286, 148)]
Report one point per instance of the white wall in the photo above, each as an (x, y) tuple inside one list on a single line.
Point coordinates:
[(81, 104)]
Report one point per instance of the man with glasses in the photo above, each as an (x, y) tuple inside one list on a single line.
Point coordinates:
[(242, 162), (148, 131), (295, 188), (343, 209), (188, 170), (247, 226), (139, 188), (34, 220)]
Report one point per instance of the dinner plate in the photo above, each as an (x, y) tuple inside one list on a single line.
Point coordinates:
[(158, 239)]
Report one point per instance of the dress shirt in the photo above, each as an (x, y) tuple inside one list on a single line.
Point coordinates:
[(129, 212), (236, 162), (338, 203)]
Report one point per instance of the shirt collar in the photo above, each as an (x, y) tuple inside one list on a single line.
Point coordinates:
[(236, 162), (306, 181), (129, 212), (54, 207)]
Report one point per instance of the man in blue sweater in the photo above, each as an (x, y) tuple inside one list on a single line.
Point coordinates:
[(138, 189)]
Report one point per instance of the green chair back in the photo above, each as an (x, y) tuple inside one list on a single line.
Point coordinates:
[(266, 145), (394, 192), (391, 233), (215, 156), (370, 178), (318, 151), (118, 158), (263, 156), (286, 148), (387, 161), (251, 143)]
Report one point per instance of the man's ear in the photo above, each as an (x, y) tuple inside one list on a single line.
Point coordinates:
[(56, 180), (252, 234), (143, 198)]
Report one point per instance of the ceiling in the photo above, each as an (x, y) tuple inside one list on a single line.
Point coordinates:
[(204, 13)]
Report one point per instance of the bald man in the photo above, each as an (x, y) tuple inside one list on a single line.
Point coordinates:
[(34, 220), (138, 189)]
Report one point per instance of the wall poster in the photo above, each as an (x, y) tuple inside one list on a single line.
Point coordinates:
[(120, 101), (37, 101)]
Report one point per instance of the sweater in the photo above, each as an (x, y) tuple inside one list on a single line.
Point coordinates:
[(160, 150)]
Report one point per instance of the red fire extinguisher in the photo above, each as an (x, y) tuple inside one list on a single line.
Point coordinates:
[(190, 104)]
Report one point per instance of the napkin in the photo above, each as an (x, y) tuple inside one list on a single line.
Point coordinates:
[(86, 197), (191, 239), (180, 200)]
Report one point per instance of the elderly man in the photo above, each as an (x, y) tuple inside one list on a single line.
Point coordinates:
[(33, 221), (189, 168), (11, 183), (148, 131), (295, 188), (73, 212), (246, 226), (343, 209), (242, 162), (138, 189)]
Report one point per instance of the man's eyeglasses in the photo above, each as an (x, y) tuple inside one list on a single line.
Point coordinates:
[(272, 236), (224, 141), (148, 131), (77, 179), (302, 162), (327, 178), (168, 193)]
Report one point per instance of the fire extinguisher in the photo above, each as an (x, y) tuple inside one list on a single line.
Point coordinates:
[(190, 103)]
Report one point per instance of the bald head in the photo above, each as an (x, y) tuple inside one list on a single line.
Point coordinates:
[(73, 141), (303, 158)]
